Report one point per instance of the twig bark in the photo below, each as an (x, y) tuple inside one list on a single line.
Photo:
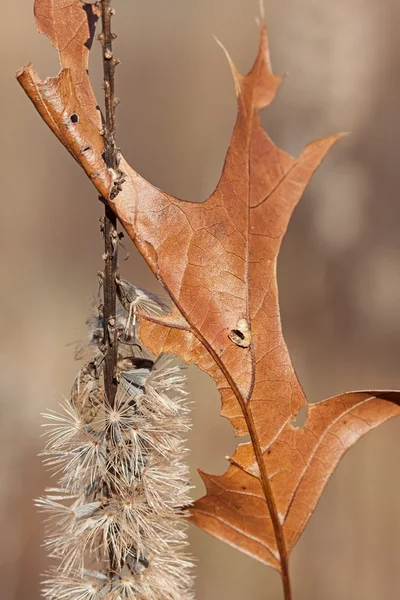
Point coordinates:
[(110, 220), (110, 227)]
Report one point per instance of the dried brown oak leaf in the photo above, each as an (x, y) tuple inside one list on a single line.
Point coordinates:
[(217, 259), (67, 102)]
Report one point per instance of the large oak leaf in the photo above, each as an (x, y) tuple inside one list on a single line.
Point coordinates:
[(218, 261)]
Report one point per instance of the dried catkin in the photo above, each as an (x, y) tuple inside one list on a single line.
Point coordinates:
[(115, 520)]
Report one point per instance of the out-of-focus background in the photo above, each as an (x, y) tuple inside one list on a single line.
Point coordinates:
[(339, 271)]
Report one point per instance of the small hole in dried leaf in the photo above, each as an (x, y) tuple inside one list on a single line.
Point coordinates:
[(301, 417), (238, 333), (87, 149), (74, 118), (241, 335)]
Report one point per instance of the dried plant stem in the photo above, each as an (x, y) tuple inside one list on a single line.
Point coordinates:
[(110, 221), (109, 310), (265, 482), (110, 229), (271, 507), (109, 63)]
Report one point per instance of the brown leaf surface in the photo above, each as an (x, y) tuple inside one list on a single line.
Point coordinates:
[(299, 463), (218, 261), (57, 102), (67, 102), (70, 25)]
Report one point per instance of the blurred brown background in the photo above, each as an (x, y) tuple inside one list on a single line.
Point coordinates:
[(339, 268)]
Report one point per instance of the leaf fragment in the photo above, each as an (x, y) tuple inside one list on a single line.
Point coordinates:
[(299, 464), (70, 26), (57, 103)]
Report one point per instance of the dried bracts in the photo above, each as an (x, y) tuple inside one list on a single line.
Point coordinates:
[(115, 521)]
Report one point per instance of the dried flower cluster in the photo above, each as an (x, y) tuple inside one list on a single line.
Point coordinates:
[(115, 520)]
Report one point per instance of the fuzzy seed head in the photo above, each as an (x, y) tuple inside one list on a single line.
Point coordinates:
[(114, 521)]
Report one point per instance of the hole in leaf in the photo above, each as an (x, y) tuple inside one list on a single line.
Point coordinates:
[(87, 149), (237, 333), (301, 417), (241, 335), (74, 118)]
